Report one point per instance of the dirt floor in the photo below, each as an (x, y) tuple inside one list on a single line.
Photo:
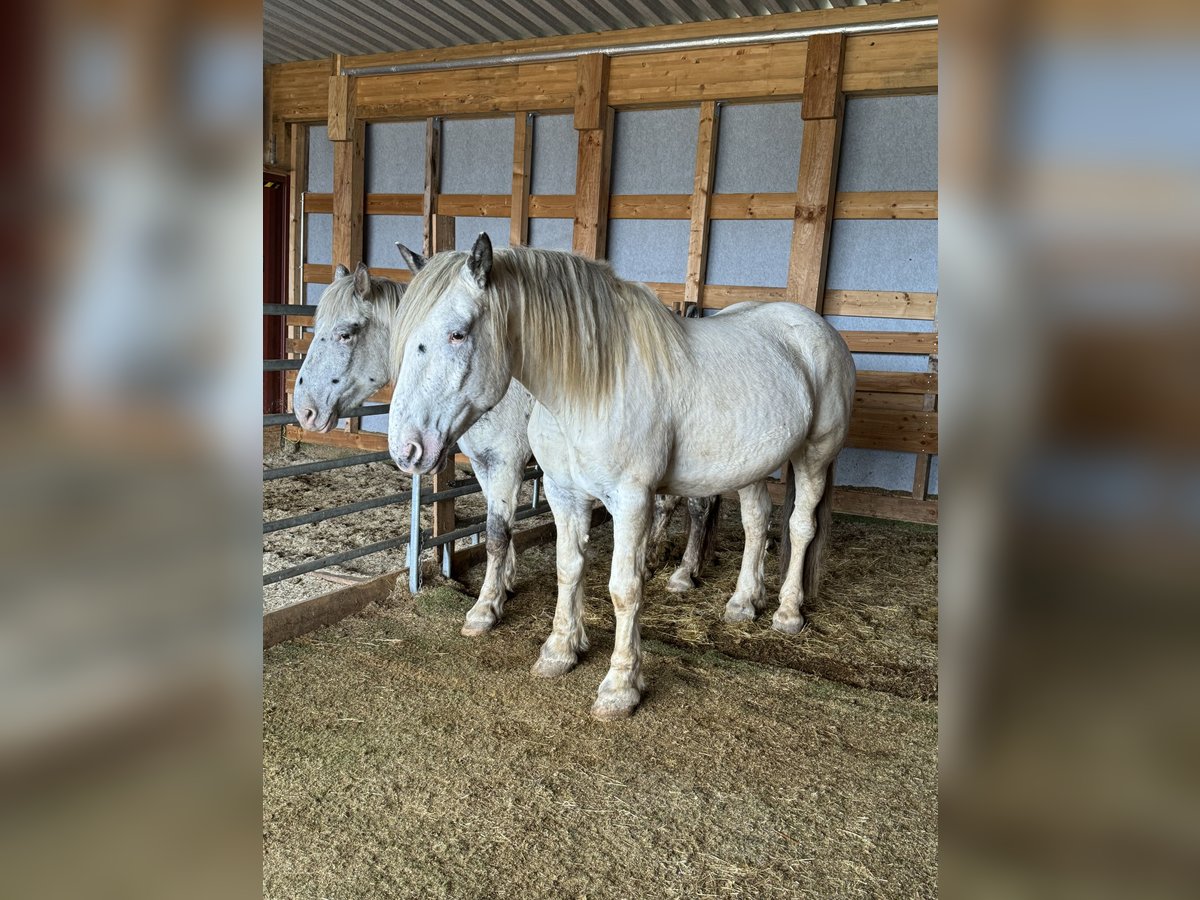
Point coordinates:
[(404, 760)]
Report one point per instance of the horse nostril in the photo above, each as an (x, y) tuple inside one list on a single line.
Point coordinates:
[(412, 452), (306, 415)]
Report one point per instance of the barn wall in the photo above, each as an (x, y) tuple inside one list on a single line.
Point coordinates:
[(880, 282)]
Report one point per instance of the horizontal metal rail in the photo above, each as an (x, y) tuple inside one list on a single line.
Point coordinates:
[(325, 465), (334, 559), (457, 534), (377, 409), (289, 309), (281, 365), (724, 40)]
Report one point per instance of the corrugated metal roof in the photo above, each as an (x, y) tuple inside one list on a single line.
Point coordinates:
[(313, 29)]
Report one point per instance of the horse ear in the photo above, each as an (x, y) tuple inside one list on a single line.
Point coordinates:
[(480, 263), (362, 280), (341, 271), (415, 261)]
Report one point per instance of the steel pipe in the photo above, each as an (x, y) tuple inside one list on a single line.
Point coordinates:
[(726, 40), (290, 418), (325, 464), (281, 365), (334, 559), (289, 309)]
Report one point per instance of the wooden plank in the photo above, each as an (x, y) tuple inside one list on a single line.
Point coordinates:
[(300, 90), (443, 512), (706, 157), (591, 91), (650, 206), (395, 204), (317, 203), (923, 342), (886, 205), (761, 205), (889, 400), (552, 206), (914, 431), (718, 296), (823, 78), (299, 163), (884, 506), (366, 441), (474, 204), (920, 489), (433, 178), (881, 304), (341, 108), (297, 619), (898, 382), (316, 273), (518, 226), (818, 171), (905, 63), (443, 233), (756, 71), (669, 293), (592, 171), (348, 197), (547, 87)]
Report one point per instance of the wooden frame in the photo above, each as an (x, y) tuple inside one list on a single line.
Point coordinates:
[(896, 411)]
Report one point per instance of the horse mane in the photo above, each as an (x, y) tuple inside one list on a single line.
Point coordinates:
[(339, 302), (577, 319)]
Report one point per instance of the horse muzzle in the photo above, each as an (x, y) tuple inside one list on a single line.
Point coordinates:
[(417, 453)]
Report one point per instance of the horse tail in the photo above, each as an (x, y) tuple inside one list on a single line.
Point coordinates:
[(810, 579), (708, 536), (785, 539)]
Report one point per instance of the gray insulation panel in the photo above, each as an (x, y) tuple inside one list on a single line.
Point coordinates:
[(318, 238), (551, 234), (395, 158), (648, 249), (885, 469), (654, 151), (381, 233), (320, 161), (758, 148), (555, 147), (477, 156), (749, 252), (883, 255), (467, 228), (889, 144)]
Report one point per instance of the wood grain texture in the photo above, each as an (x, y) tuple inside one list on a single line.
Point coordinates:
[(366, 441), (702, 185), (924, 342), (299, 165), (341, 108), (884, 506), (913, 431), (591, 91), (823, 77), (474, 204), (395, 204), (813, 214), (433, 178), (592, 172), (348, 198), (881, 304), (317, 203), (522, 170), (650, 206), (907, 382), (552, 206), (886, 205), (443, 232)]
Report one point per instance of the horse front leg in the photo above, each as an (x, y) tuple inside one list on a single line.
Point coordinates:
[(572, 520), (621, 690), (751, 593), (502, 484)]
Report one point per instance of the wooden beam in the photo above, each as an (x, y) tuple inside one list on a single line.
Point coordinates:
[(366, 441), (881, 304), (591, 91), (922, 342), (348, 197), (822, 114), (474, 204), (593, 122), (650, 206), (395, 204), (299, 163), (902, 382), (908, 430), (518, 225), (884, 506), (552, 206), (886, 205), (443, 232), (702, 185), (296, 619), (341, 107), (433, 178)]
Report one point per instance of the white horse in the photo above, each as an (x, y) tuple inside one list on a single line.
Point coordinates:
[(350, 359), (632, 400)]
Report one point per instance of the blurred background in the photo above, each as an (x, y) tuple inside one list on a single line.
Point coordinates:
[(129, 624)]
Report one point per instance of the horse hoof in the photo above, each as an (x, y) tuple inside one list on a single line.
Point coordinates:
[(612, 707), (737, 614), (553, 666), (478, 623), (788, 623), (679, 583)]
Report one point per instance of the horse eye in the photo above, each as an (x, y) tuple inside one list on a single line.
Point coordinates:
[(457, 337)]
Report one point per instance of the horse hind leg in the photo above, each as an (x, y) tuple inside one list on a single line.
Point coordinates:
[(751, 593), (664, 511), (807, 527), (702, 524)]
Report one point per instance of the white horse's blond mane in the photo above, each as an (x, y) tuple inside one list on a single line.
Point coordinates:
[(577, 319), (339, 302)]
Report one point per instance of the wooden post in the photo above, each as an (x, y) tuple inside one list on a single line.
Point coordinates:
[(518, 228), (593, 122), (442, 230), (822, 113), (348, 135), (706, 155), (299, 164), (920, 489), (433, 182)]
